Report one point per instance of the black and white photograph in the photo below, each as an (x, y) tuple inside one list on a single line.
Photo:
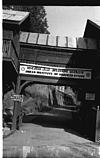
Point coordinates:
[(50, 81)]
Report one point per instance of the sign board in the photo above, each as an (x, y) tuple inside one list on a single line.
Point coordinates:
[(52, 71), (17, 97), (90, 96)]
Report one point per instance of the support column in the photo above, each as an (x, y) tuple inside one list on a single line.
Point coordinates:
[(97, 126), (17, 112), (97, 133)]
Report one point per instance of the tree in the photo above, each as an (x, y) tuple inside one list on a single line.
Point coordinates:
[(37, 21)]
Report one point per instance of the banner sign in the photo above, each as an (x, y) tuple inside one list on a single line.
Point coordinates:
[(90, 96), (17, 97), (52, 71)]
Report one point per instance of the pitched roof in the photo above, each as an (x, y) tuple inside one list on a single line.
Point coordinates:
[(95, 23), (16, 17), (92, 29)]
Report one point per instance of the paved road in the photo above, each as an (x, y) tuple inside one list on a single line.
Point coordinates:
[(42, 139)]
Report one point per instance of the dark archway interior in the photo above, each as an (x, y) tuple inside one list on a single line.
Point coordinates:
[(50, 105)]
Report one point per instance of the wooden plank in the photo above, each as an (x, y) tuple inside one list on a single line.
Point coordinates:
[(14, 58), (16, 41), (15, 18), (99, 44), (10, 12), (43, 56), (52, 40), (97, 133), (14, 15), (6, 16), (72, 42), (42, 39), (14, 36), (91, 43), (62, 41), (7, 34), (6, 48), (33, 38), (50, 58), (23, 36), (81, 43)]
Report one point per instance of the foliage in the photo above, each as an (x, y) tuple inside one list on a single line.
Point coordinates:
[(40, 97)]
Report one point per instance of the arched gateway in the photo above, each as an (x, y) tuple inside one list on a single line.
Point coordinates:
[(61, 61)]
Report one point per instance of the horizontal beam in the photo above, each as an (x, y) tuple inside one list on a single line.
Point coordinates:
[(56, 81)]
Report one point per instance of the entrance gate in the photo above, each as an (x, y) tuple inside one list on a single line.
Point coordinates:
[(44, 60)]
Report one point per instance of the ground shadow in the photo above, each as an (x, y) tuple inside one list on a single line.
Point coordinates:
[(49, 121)]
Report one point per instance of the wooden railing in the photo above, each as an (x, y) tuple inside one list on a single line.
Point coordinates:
[(6, 48), (14, 56), (12, 36), (9, 52)]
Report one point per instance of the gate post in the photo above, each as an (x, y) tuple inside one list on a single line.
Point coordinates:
[(97, 132), (17, 114)]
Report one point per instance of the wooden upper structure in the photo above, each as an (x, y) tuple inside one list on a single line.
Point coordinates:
[(14, 17), (68, 52), (11, 47), (45, 49)]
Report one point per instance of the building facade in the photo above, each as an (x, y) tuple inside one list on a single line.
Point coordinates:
[(41, 58)]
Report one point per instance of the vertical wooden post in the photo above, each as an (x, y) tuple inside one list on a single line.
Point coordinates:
[(17, 108), (97, 132)]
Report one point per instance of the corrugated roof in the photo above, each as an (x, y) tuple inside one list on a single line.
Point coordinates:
[(15, 16)]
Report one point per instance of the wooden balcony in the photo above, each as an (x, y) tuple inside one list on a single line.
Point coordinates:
[(9, 53)]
